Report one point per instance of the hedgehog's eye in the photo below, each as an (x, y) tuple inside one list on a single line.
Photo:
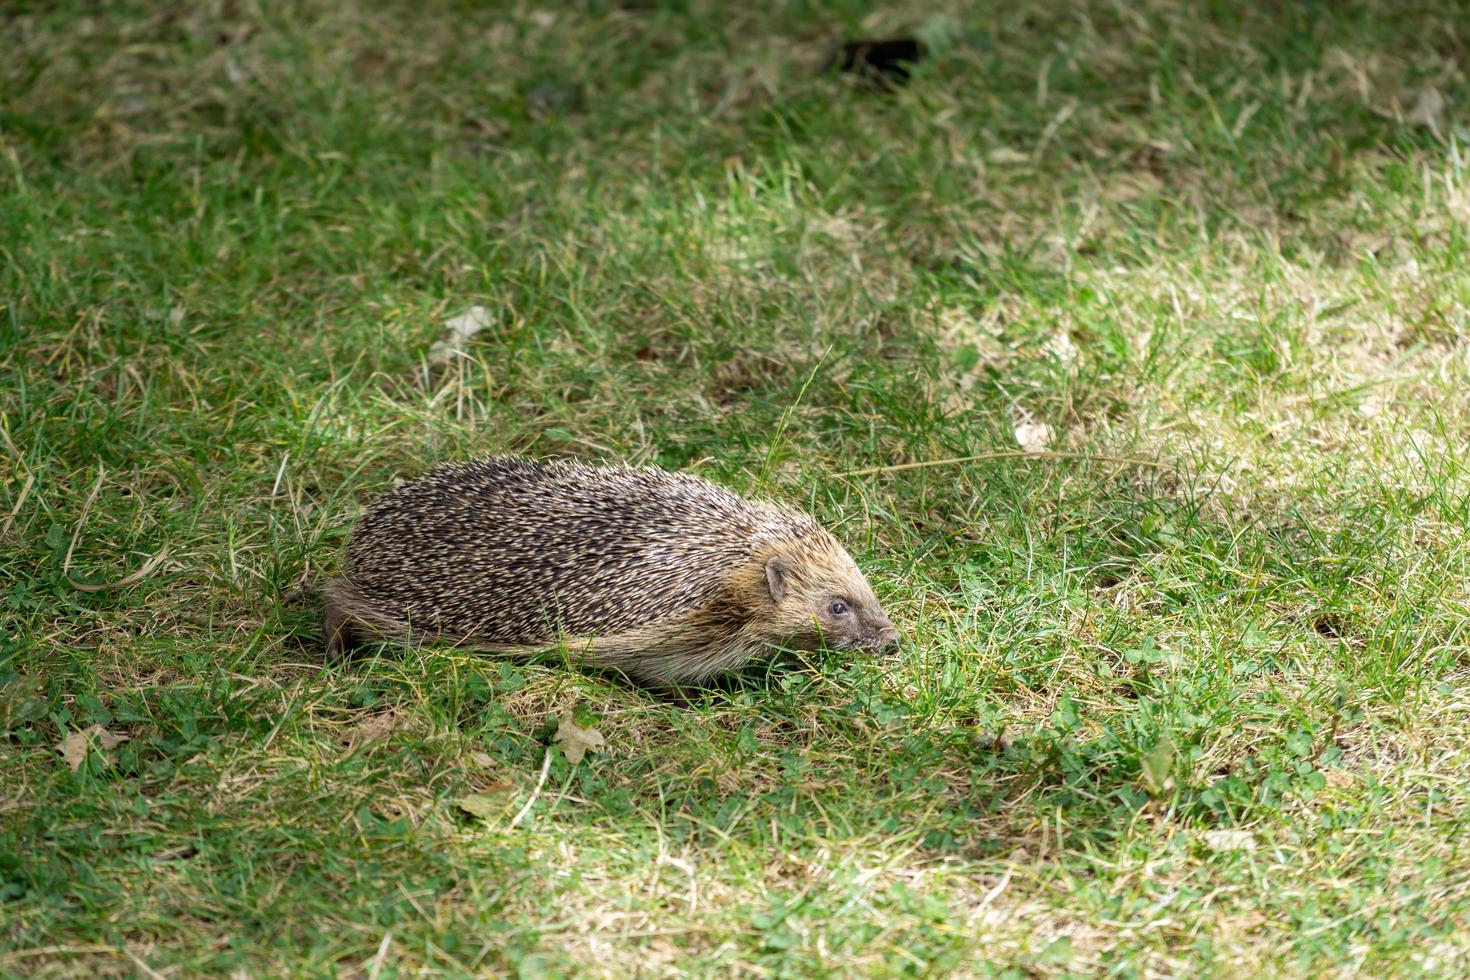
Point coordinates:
[(838, 608)]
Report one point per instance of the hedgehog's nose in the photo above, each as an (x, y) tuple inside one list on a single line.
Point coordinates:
[(887, 639)]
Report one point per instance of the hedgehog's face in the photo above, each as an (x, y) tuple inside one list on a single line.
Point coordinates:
[(826, 600)]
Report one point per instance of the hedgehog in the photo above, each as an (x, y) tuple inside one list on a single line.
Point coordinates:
[(666, 578)]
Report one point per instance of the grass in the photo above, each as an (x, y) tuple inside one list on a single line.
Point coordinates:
[(1202, 716)]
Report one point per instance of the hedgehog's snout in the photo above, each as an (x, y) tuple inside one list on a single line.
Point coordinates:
[(881, 636)]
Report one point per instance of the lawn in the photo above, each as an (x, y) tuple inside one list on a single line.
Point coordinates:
[(1126, 347)]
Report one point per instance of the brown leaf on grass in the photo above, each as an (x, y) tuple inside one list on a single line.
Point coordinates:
[(1230, 840), (1033, 437), (21, 702), (1427, 109), (489, 802), (374, 727), (1006, 155), (1061, 348), (576, 741), (74, 747), (457, 331)]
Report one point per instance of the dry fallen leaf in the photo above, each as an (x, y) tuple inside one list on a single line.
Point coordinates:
[(1062, 348), (1427, 108), (479, 805), (487, 803), (457, 330), (21, 702), (374, 727), (483, 759), (1004, 154), (1230, 840), (1033, 437), (74, 747), (576, 741)]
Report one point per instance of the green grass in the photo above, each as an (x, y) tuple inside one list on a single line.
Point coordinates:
[(1214, 237)]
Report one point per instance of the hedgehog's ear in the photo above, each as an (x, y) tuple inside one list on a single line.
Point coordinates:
[(776, 573)]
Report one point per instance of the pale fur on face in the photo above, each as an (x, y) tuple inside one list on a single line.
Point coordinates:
[(804, 587)]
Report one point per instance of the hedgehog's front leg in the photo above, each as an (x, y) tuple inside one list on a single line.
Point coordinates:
[(340, 636)]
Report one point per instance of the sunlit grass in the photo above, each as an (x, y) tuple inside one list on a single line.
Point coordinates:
[(1184, 696)]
